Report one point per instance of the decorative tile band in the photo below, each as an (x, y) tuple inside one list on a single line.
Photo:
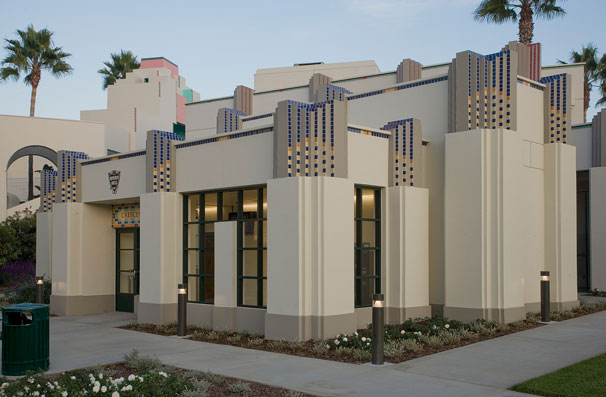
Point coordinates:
[(161, 167), (398, 88), (529, 84), (366, 132), (224, 138), (68, 161), (48, 191), (557, 107), (113, 158), (229, 120), (405, 144), (125, 215)]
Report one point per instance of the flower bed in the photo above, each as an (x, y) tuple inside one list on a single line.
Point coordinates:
[(403, 342), (136, 376)]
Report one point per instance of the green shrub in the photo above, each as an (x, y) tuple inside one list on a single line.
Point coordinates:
[(239, 388), (144, 364), (26, 292), (234, 338), (18, 238), (255, 342)]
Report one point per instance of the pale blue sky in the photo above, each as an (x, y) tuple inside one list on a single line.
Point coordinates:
[(219, 45)]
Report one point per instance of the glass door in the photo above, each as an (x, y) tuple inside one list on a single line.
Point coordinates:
[(127, 269)]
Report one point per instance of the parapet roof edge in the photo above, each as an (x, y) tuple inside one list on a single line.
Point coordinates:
[(167, 60), (562, 65), (582, 125)]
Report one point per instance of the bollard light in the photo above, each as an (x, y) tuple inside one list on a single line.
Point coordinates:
[(378, 325), (545, 297), (39, 290), (182, 310)]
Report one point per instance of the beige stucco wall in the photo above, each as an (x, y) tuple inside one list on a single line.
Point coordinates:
[(486, 257), (530, 113), (293, 76), (581, 138), (597, 202), (577, 73), (310, 256), (430, 105), (367, 159), (83, 259), (95, 179), (406, 273), (239, 162), (202, 117), (561, 221), (43, 244), (17, 132), (226, 262), (161, 260)]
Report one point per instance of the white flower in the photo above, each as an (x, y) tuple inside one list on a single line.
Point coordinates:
[(363, 339), (26, 388), (402, 332), (337, 342), (447, 326), (30, 380), (328, 347), (434, 327), (96, 389), (344, 339), (368, 344), (369, 340), (103, 389), (355, 333), (115, 394), (140, 379), (36, 393), (100, 376), (163, 374), (97, 383), (63, 394), (131, 378), (337, 335), (72, 377), (4, 385)]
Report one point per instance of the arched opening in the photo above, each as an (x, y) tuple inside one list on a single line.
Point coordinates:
[(21, 178)]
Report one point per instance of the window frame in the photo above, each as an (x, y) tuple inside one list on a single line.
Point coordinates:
[(359, 249), (201, 249)]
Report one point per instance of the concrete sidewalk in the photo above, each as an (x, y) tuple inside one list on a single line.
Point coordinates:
[(481, 369)]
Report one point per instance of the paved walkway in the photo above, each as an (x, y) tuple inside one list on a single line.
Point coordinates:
[(481, 369)]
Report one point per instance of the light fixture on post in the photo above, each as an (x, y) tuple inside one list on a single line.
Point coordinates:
[(182, 310), (39, 289), (545, 296), (378, 325)]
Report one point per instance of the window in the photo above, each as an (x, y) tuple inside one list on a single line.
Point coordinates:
[(252, 248), (200, 213), (199, 246), (367, 244)]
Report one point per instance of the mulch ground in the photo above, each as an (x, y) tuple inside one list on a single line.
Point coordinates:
[(306, 349), (218, 388)]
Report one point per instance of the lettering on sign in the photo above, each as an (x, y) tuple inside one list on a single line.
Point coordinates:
[(126, 215)]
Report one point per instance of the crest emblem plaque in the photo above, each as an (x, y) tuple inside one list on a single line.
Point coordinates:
[(114, 180)]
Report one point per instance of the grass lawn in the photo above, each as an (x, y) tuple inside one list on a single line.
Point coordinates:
[(587, 378)]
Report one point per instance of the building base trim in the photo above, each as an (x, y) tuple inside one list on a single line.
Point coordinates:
[(81, 304), (466, 314), (156, 313), (301, 328), (397, 315)]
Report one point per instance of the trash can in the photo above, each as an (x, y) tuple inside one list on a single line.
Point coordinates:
[(25, 338)]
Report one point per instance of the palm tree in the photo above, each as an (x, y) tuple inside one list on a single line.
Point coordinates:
[(589, 55), (32, 53), (500, 11), (601, 73), (120, 64)]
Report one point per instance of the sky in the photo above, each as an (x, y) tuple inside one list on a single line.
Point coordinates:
[(221, 44)]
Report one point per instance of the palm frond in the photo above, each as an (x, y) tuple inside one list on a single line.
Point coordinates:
[(496, 11), (547, 9)]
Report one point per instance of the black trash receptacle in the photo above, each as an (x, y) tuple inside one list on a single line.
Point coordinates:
[(25, 338)]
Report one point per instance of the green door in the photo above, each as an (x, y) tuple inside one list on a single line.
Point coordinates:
[(127, 269)]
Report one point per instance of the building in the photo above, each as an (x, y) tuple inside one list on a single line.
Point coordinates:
[(151, 97), (448, 188)]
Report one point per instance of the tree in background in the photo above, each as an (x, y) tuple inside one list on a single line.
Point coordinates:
[(523, 11), (120, 64), (30, 54), (595, 73)]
